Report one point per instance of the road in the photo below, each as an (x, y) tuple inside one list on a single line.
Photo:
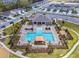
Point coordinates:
[(67, 18)]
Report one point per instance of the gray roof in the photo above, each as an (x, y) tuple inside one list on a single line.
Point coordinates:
[(40, 18)]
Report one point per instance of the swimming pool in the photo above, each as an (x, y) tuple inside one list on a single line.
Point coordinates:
[(30, 36)]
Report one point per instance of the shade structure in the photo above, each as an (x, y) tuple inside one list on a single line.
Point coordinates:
[(39, 38)]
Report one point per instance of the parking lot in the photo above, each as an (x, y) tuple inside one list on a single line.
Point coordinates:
[(65, 9), (13, 16)]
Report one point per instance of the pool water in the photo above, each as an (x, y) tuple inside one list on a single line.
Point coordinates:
[(30, 36)]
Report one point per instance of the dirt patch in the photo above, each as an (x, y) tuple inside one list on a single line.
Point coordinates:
[(4, 53)]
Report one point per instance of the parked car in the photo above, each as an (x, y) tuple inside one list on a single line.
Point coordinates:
[(3, 26)]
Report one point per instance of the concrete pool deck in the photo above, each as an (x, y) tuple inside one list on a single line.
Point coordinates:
[(23, 32)]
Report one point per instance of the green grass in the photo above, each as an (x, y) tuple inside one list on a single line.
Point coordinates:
[(75, 53), (7, 41), (8, 31), (13, 56), (70, 43), (75, 16), (72, 26), (57, 53), (76, 28)]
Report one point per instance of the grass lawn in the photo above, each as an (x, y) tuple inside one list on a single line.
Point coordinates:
[(7, 41), (13, 56), (76, 28), (72, 26), (8, 31), (70, 43), (75, 53), (75, 16), (57, 53)]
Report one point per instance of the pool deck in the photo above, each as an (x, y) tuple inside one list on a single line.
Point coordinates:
[(52, 30)]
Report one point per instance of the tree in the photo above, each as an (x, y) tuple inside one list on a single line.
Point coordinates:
[(23, 3), (63, 22), (1, 6), (50, 49), (74, 11)]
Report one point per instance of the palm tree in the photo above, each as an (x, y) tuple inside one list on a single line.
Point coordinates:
[(50, 49), (11, 46), (63, 22), (27, 49), (12, 38), (17, 5), (1, 6), (74, 10)]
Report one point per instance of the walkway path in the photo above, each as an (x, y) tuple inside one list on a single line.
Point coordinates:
[(5, 36), (8, 50)]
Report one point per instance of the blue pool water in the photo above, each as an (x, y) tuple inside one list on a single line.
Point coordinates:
[(30, 36)]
